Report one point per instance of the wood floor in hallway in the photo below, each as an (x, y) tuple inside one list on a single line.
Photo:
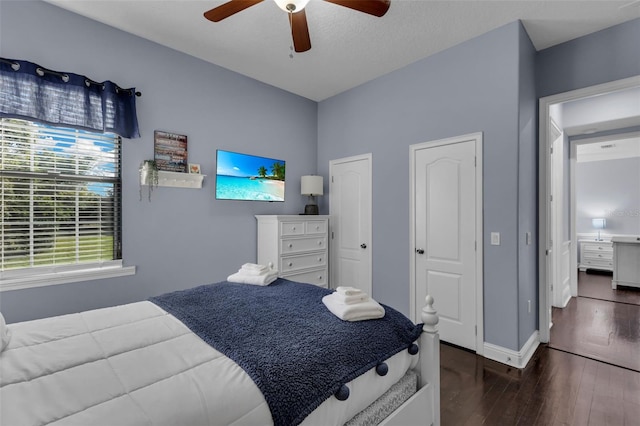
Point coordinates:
[(600, 323), (558, 386)]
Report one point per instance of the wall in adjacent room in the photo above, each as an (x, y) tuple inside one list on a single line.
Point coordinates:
[(183, 237), (609, 189)]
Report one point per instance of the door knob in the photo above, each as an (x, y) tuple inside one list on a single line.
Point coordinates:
[(363, 245), (420, 251)]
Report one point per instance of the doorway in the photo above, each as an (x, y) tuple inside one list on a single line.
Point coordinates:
[(547, 212)]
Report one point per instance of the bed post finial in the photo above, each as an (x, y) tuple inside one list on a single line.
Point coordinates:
[(429, 316)]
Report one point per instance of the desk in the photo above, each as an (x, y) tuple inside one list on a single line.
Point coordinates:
[(626, 261)]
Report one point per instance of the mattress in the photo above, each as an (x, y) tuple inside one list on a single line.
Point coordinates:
[(137, 364)]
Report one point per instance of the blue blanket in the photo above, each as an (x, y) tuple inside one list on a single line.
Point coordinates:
[(295, 350)]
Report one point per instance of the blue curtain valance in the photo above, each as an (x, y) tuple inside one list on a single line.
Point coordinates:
[(32, 92)]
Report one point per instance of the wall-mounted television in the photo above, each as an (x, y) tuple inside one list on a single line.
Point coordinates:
[(249, 177)]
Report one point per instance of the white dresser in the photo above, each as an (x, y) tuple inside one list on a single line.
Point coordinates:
[(596, 255), (297, 245), (626, 265)]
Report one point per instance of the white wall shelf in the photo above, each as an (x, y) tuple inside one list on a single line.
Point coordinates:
[(178, 180)]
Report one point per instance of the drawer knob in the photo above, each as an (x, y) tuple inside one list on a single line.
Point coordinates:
[(319, 243), (319, 259), (290, 264), (290, 245), (293, 228)]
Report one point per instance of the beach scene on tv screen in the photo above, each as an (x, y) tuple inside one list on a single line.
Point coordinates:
[(249, 177)]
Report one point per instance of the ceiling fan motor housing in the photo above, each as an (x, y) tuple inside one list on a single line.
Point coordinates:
[(291, 6)]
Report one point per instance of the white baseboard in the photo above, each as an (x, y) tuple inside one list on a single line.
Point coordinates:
[(518, 359)]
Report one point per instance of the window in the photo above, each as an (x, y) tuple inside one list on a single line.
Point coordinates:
[(60, 198)]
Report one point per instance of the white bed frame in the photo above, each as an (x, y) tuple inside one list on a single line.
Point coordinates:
[(423, 408)]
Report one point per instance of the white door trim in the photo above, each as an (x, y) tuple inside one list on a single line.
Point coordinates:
[(477, 137), (332, 241), (544, 186)]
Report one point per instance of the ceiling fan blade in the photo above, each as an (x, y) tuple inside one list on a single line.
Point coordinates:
[(372, 7), (227, 9), (300, 31)]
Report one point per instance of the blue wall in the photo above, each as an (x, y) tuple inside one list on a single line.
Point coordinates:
[(527, 193), (489, 84), (473, 87), (184, 237), (607, 55)]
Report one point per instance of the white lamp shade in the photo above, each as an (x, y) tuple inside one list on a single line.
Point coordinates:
[(311, 185), (599, 223)]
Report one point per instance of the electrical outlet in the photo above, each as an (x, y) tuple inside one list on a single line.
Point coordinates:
[(495, 238), (528, 238)]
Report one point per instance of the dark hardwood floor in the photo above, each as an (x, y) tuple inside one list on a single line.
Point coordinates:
[(556, 388), (600, 328), (598, 286), (575, 380)]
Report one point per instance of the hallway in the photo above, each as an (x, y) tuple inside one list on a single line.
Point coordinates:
[(601, 323)]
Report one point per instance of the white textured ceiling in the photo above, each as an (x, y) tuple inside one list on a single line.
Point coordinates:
[(348, 47)]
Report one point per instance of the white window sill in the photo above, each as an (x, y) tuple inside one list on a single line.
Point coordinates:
[(64, 277)]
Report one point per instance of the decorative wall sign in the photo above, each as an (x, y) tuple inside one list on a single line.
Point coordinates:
[(170, 151)]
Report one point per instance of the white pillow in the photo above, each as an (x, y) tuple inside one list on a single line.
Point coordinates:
[(5, 333)]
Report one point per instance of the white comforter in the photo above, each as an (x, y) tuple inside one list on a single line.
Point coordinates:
[(137, 364)]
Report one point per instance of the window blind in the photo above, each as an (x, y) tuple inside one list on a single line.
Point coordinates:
[(60, 192)]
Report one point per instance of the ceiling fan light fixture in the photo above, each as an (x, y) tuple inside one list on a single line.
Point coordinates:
[(291, 6)]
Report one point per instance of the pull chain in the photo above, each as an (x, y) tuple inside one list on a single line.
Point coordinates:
[(291, 26)]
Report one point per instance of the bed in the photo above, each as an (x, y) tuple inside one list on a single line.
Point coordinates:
[(222, 354)]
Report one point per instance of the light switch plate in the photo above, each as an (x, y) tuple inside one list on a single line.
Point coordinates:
[(528, 238), (495, 238)]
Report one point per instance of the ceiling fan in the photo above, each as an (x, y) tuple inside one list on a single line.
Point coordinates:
[(297, 16)]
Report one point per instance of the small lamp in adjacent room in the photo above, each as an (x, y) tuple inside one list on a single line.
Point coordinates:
[(311, 186), (599, 223)]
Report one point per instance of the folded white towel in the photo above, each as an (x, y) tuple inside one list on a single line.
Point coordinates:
[(350, 300), (370, 309), (349, 291), (265, 279), (254, 272), (255, 267)]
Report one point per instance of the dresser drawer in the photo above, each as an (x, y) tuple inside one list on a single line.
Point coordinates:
[(298, 245), (316, 227), (317, 277), (594, 255), (597, 247), (292, 228), (598, 264), (306, 261)]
